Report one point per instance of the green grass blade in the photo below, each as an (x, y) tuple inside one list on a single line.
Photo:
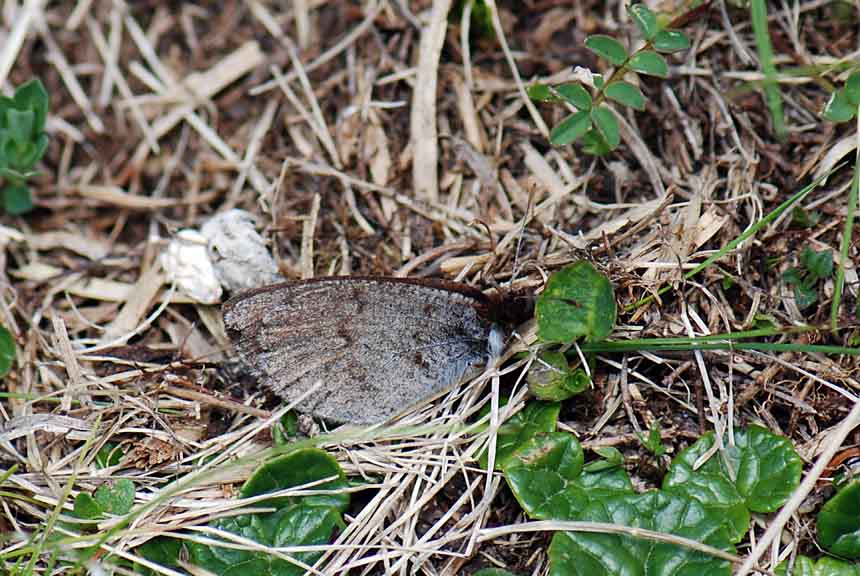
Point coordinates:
[(773, 98), (845, 245)]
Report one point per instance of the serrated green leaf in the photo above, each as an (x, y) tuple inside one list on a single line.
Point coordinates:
[(648, 62), (605, 123), (537, 417), (627, 94), (541, 93), (607, 47), (551, 378), (17, 199), (645, 20), (838, 108), (578, 301), (296, 469), (7, 351), (670, 41), (115, 497), (541, 475), (569, 129), (838, 523), (593, 554), (852, 89), (576, 95)]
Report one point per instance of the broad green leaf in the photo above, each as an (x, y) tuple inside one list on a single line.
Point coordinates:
[(605, 123), (648, 62), (714, 491), (670, 41), (645, 20), (594, 554), (17, 199), (161, 550), (115, 497), (7, 351), (295, 525), (852, 89), (86, 507), (603, 482), (576, 95), (838, 523), (607, 47), (519, 429), (551, 378), (569, 129), (825, 566), (838, 108), (577, 301), (541, 475), (767, 468), (21, 124), (627, 94), (541, 93), (296, 469)]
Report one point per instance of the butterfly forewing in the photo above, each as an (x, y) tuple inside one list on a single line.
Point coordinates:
[(376, 345)]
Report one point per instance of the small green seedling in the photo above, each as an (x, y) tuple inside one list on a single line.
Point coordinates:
[(23, 142), (653, 442), (814, 267), (593, 120)]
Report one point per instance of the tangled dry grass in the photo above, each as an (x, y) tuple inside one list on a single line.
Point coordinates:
[(381, 137)]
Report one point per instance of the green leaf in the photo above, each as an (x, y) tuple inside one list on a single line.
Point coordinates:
[(593, 143), (576, 95), (115, 497), (645, 20), (594, 554), (627, 94), (296, 469), (519, 429), (20, 124), (804, 295), (838, 523), (541, 93), (7, 351), (607, 47), (541, 475), (110, 454), (648, 62), (605, 123), (569, 129), (653, 442), (161, 550), (714, 490), (17, 199), (670, 41), (839, 108), (766, 467), (818, 264), (86, 507), (33, 96), (493, 572), (826, 566), (551, 378), (577, 301), (852, 89), (295, 525), (610, 456)]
